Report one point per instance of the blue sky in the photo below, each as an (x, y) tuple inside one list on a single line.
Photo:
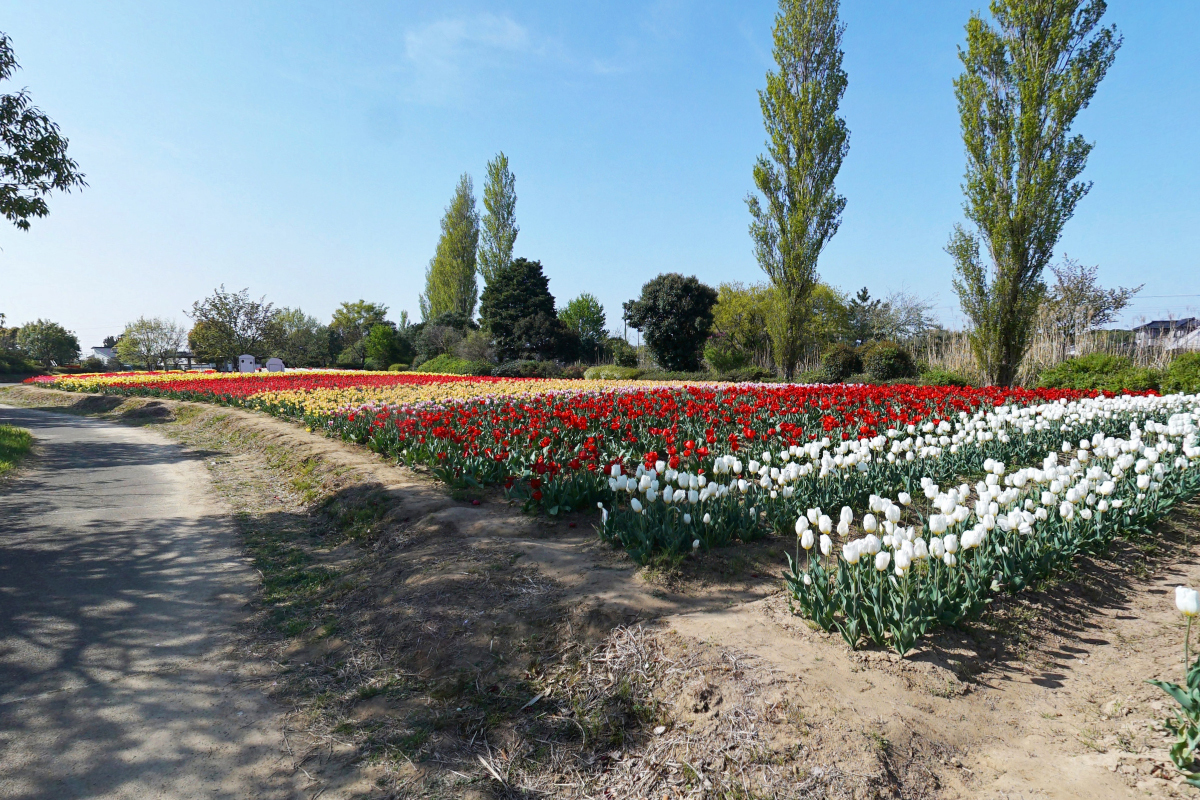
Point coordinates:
[(307, 150)]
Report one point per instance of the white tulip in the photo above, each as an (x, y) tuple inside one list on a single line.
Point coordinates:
[(904, 499), (806, 539), (870, 524), (801, 525), (824, 524), (635, 505), (950, 542), (1187, 600), (882, 559), (707, 519), (826, 545)]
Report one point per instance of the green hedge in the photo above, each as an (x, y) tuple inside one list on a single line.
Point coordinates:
[(611, 372), (1183, 375), (446, 364), (1100, 372), (935, 376)]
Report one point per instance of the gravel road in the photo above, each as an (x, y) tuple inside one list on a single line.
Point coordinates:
[(120, 586)]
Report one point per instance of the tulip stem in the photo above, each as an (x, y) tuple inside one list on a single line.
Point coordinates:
[(1187, 643)]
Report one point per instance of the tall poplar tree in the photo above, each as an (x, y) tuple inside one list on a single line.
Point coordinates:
[(450, 279), (1025, 79), (499, 230), (800, 209)]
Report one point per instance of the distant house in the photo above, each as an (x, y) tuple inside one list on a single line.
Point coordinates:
[(1170, 334), (108, 355)]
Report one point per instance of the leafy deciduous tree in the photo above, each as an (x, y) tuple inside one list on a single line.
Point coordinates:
[(1077, 302), (585, 317), (1024, 81), (498, 233), (153, 343), (303, 340), (450, 279), (676, 314), (353, 322), (48, 343), (33, 153), (230, 324), (800, 208)]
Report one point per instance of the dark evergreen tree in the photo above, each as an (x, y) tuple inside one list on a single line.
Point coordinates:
[(518, 311), (676, 314)]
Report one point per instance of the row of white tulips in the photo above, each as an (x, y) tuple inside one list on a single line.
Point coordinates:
[(1111, 457)]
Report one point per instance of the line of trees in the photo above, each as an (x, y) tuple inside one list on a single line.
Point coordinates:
[(1027, 73)]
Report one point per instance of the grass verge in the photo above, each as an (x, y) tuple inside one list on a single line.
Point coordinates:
[(15, 444)]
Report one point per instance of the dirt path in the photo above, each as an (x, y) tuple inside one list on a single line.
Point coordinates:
[(120, 583)]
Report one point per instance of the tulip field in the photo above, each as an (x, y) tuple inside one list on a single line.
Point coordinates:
[(911, 506)]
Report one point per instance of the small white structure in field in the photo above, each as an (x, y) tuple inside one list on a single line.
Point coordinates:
[(274, 365), (246, 364)]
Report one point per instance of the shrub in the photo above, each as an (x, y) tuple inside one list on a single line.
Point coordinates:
[(446, 364), (1099, 372), (612, 372), (746, 375), (398, 368), (574, 371), (723, 355), (811, 376), (936, 376), (675, 375), (623, 353), (887, 361), (840, 363), (1183, 375), (527, 368)]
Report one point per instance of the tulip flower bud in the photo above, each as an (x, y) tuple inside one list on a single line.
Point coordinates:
[(695, 544), (904, 498), (893, 514), (882, 559), (870, 524), (801, 525), (635, 505), (707, 519), (807, 580), (1187, 601), (826, 545), (847, 516), (937, 548), (851, 552), (824, 524), (949, 559), (616, 470), (806, 539), (950, 542)]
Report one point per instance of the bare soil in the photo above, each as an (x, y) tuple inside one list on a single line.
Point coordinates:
[(435, 646)]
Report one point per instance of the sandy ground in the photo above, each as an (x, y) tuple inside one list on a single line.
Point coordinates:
[(120, 584)]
